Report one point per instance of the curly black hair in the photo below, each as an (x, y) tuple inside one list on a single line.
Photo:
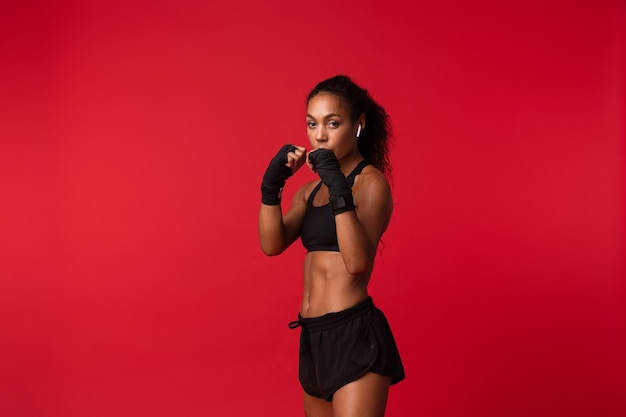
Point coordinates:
[(374, 140)]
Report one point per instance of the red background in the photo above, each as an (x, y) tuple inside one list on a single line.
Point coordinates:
[(133, 139)]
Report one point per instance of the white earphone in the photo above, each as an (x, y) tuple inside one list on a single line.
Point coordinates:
[(358, 131)]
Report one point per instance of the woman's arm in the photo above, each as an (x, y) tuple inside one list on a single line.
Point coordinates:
[(276, 232), (359, 230)]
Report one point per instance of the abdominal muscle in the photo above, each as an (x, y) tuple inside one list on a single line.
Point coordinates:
[(328, 287)]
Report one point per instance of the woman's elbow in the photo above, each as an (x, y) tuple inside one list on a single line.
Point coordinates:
[(361, 263), (271, 250), (359, 268)]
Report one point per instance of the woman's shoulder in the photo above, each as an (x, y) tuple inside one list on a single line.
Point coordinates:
[(371, 183), (371, 176), (372, 194)]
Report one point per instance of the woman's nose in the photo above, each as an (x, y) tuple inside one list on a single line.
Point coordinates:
[(320, 134)]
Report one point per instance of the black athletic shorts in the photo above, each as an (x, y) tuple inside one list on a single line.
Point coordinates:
[(338, 348)]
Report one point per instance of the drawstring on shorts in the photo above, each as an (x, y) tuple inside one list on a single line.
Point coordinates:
[(297, 323)]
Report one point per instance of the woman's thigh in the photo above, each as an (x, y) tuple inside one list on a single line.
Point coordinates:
[(317, 407), (365, 397)]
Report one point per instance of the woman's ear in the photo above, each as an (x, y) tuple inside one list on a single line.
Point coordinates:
[(361, 121), (361, 125)]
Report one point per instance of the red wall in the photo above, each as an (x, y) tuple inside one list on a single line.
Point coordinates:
[(133, 138)]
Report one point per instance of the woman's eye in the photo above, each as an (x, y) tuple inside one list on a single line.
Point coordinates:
[(333, 124), (311, 125)]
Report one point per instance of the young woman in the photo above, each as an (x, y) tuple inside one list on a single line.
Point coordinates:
[(348, 356)]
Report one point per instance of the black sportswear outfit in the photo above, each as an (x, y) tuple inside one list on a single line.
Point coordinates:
[(318, 230), (338, 348)]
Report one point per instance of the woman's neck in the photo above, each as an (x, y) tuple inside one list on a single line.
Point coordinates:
[(348, 163)]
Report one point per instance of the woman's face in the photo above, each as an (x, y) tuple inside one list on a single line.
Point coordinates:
[(329, 125)]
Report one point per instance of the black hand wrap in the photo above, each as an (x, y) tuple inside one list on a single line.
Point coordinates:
[(327, 166), (275, 176)]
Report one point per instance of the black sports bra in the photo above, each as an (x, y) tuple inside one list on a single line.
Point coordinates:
[(318, 231)]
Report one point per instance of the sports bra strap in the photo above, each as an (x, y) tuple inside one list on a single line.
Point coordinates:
[(356, 171), (351, 176)]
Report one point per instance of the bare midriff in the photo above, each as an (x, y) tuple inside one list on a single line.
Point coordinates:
[(328, 286)]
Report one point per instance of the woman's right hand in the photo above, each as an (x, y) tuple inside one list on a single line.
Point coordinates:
[(287, 161), (296, 158)]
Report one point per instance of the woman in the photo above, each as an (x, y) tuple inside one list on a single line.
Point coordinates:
[(348, 357)]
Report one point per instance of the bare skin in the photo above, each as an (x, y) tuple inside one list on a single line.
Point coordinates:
[(335, 281), (367, 396)]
